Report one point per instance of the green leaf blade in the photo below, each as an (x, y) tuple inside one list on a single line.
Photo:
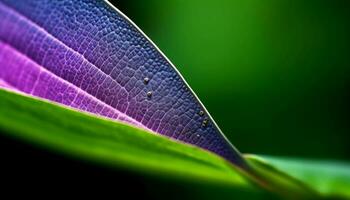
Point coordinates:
[(116, 144), (109, 143), (329, 178)]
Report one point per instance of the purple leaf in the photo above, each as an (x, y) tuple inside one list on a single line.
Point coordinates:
[(87, 55)]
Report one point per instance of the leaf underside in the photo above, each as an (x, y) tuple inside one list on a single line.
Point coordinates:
[(87, 55)]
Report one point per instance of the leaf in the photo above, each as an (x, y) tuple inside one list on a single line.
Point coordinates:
[(328, 178), (52, 127), (107, 142), (87, 55)]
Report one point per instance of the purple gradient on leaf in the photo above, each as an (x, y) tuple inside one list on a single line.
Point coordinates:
[(30, 78), (3, 84), (86, 55)]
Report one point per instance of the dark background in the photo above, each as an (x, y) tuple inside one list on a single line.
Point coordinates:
[(273, 74)]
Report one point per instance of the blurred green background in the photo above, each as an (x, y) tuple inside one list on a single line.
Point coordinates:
[(273, 74)]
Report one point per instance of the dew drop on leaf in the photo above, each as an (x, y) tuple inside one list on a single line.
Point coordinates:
[(149, 94), (146, 80)]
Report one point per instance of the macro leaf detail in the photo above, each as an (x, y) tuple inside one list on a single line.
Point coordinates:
[(87, 55)]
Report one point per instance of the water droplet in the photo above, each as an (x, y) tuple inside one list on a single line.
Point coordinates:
[(149, 94), (201, 113), (146, 80), (205, 122)]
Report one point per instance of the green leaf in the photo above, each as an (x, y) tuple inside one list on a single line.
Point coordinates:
[(328, 178), (83, 136)]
